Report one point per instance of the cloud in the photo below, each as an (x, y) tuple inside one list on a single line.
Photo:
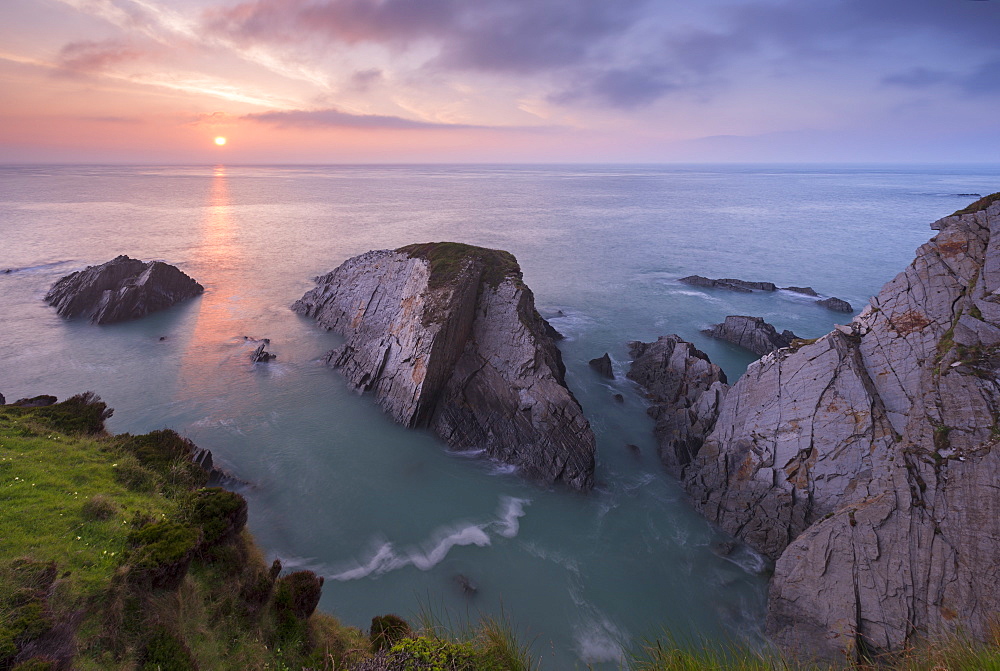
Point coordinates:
[(90, 57), (333, 118), (490, 35), (362, 80), (918, 78)]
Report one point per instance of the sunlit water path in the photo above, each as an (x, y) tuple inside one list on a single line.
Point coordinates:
[(386, 514)]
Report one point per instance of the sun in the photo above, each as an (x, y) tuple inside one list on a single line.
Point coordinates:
[(220, 140)]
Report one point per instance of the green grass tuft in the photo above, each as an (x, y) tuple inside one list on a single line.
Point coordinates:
[(448, 259)]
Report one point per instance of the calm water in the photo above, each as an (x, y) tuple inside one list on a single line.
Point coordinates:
[(388, 515)]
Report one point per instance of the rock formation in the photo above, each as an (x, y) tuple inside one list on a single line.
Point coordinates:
[(446, 336), (865, 462), (836, 304), (751, 333), (602, 365), (121, 289), (745, 287), (741, 286), (685, 389)]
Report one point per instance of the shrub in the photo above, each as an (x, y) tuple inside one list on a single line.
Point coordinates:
[(83, 413), (162, 553), (220, 514), (387, 630)]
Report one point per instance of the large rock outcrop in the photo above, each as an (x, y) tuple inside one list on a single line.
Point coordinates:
[(685, 390), (121, 289), (865, 463), (446, 336), (751, 333)]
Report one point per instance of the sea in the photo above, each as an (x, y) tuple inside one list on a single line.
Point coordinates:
[(394, 521)]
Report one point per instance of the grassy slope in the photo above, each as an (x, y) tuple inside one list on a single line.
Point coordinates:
[(94, 530)]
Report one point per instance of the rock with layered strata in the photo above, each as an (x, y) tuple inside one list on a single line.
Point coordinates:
[(446, 336), (865, 462), (751, 333), (685, 390), (121, 289), (741, 286)]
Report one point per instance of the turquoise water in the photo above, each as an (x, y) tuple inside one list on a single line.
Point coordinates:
[(386, 514)]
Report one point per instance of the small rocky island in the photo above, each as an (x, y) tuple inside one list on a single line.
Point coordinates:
[(747, 287), (865, 462), (121, 289), (446, 336), (751, 333)]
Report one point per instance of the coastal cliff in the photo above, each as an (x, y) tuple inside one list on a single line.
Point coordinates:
[(121, 289), (446, 336), (864, 462)]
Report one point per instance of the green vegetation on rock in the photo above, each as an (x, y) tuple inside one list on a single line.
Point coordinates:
[(448, 259), (980, 204)]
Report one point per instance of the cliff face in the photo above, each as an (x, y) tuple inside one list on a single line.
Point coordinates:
[(865, 463), (121, 289), (447, 336)]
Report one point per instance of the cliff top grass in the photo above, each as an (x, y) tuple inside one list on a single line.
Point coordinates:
[(113, 555), (447, 259), (979, 205)]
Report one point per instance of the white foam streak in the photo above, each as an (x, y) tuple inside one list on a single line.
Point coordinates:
[(511, 510)]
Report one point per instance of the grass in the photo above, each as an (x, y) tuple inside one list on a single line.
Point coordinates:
[(951, 653), (980, 204), (115, 539), (448, 259)]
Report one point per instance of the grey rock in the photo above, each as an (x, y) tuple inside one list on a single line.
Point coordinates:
[(602, 365), (446, 336), (36, 401), (806, 291), (741, 286), (751, 333), (260, 355), (685, 389), (836, 304), (619, 398), (121, 289), (865, 462)]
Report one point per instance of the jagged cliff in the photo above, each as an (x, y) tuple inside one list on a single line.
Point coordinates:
[(447, 336), (121, 289), (865, 463)]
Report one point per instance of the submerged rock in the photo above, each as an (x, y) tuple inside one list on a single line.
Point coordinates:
[(120, 289), (603, 367), (446, 336), (685, 389), (260, 355), (751, 333), (836, 304), (805, 291), (865, 462)]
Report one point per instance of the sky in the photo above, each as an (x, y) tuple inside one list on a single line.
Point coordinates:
[(499, 81)]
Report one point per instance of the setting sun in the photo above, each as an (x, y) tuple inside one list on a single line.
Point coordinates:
[(220, 140)]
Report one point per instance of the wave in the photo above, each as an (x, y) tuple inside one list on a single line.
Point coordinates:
[(427, 555), (28, 269), (599, 640), (511, 510)]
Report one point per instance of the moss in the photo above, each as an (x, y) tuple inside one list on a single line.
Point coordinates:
[(979, 205), (387, 630), (941, 441), (799, 343), (448, 259)]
